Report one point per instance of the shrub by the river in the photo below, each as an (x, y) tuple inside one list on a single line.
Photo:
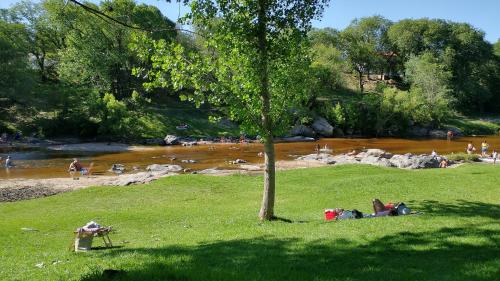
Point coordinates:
[(463, 157)]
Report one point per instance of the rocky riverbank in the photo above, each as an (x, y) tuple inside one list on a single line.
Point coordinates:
[(378, 157), (22, 189)]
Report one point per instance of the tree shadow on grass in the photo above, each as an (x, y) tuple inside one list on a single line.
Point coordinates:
[(443, 254), (461, 208)]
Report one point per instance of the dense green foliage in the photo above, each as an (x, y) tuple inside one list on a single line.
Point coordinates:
[(76, 66), (58, 61), (435, 68), (254, 64), (194, 227)]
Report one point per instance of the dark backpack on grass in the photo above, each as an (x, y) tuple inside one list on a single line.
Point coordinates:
[(357, 214)]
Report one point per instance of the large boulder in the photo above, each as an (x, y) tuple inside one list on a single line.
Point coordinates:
[(374, 152), (302, 130), (425, 161), (411, 161), (438, 134), (342, 159), (155, 141), (376, 161), (294, 139), (401, 161), (456, 131), (163, 168), (418, 132), (322, 127), (171, 140), (117, 168), (140, 178), (322, 157), (338, 133)]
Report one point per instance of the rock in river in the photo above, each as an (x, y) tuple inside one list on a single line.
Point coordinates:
[(171, 140), (163, 168)]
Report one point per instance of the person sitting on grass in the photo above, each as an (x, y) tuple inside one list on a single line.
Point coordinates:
[(443, 164)]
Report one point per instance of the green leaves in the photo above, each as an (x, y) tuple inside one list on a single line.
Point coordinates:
[(225, 69)]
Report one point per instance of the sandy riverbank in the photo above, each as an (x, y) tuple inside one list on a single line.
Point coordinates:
[(99, 147), (23, 189)]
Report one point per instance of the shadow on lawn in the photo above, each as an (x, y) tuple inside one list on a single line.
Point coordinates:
[(434, 255), (461, 208)]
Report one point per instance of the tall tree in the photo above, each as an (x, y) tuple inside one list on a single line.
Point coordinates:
[(44, 39), (496, 48), (364, 44), (256, 66), (97, 55), (14, 71)]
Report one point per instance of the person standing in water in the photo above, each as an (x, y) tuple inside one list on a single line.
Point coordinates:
[(8, 163), (449, 135), (484, 148), (317, 148)]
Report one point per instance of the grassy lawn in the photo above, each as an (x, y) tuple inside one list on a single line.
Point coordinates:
[(476, 125), (194, 227)]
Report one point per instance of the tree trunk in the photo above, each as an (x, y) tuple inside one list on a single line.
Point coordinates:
[(267, 207), (360, 75)]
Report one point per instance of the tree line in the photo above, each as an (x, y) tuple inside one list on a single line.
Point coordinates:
[(417, 71), (60, 59), (92, 76)]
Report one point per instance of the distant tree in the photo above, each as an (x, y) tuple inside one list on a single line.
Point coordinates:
[(364, 42), (430, 89), (256, 67), (44, 39), (496, 48), (459, 47), (96, 52), (328, 63), (15, 75)]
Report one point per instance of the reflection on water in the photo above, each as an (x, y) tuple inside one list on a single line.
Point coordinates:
[(45, 163)]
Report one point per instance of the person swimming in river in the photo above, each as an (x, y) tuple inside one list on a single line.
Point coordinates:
[(470, 148)]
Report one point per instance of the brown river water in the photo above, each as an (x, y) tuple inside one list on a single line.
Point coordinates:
[(43, 163)]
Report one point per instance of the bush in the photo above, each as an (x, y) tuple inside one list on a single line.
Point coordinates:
[(463, 157)]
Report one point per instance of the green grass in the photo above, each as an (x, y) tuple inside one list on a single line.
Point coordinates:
[(194, 227), (475, 125)]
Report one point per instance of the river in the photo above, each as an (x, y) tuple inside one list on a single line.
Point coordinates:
[(44, 163)]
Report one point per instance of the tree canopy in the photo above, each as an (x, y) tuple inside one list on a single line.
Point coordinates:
[(254, 66)]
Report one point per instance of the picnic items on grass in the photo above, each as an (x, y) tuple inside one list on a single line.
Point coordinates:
[(389, 209), (84, 236)]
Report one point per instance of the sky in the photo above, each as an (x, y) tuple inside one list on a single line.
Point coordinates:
[(482, 14)]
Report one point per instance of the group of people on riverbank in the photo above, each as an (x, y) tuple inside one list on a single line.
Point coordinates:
[(470, 149)]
